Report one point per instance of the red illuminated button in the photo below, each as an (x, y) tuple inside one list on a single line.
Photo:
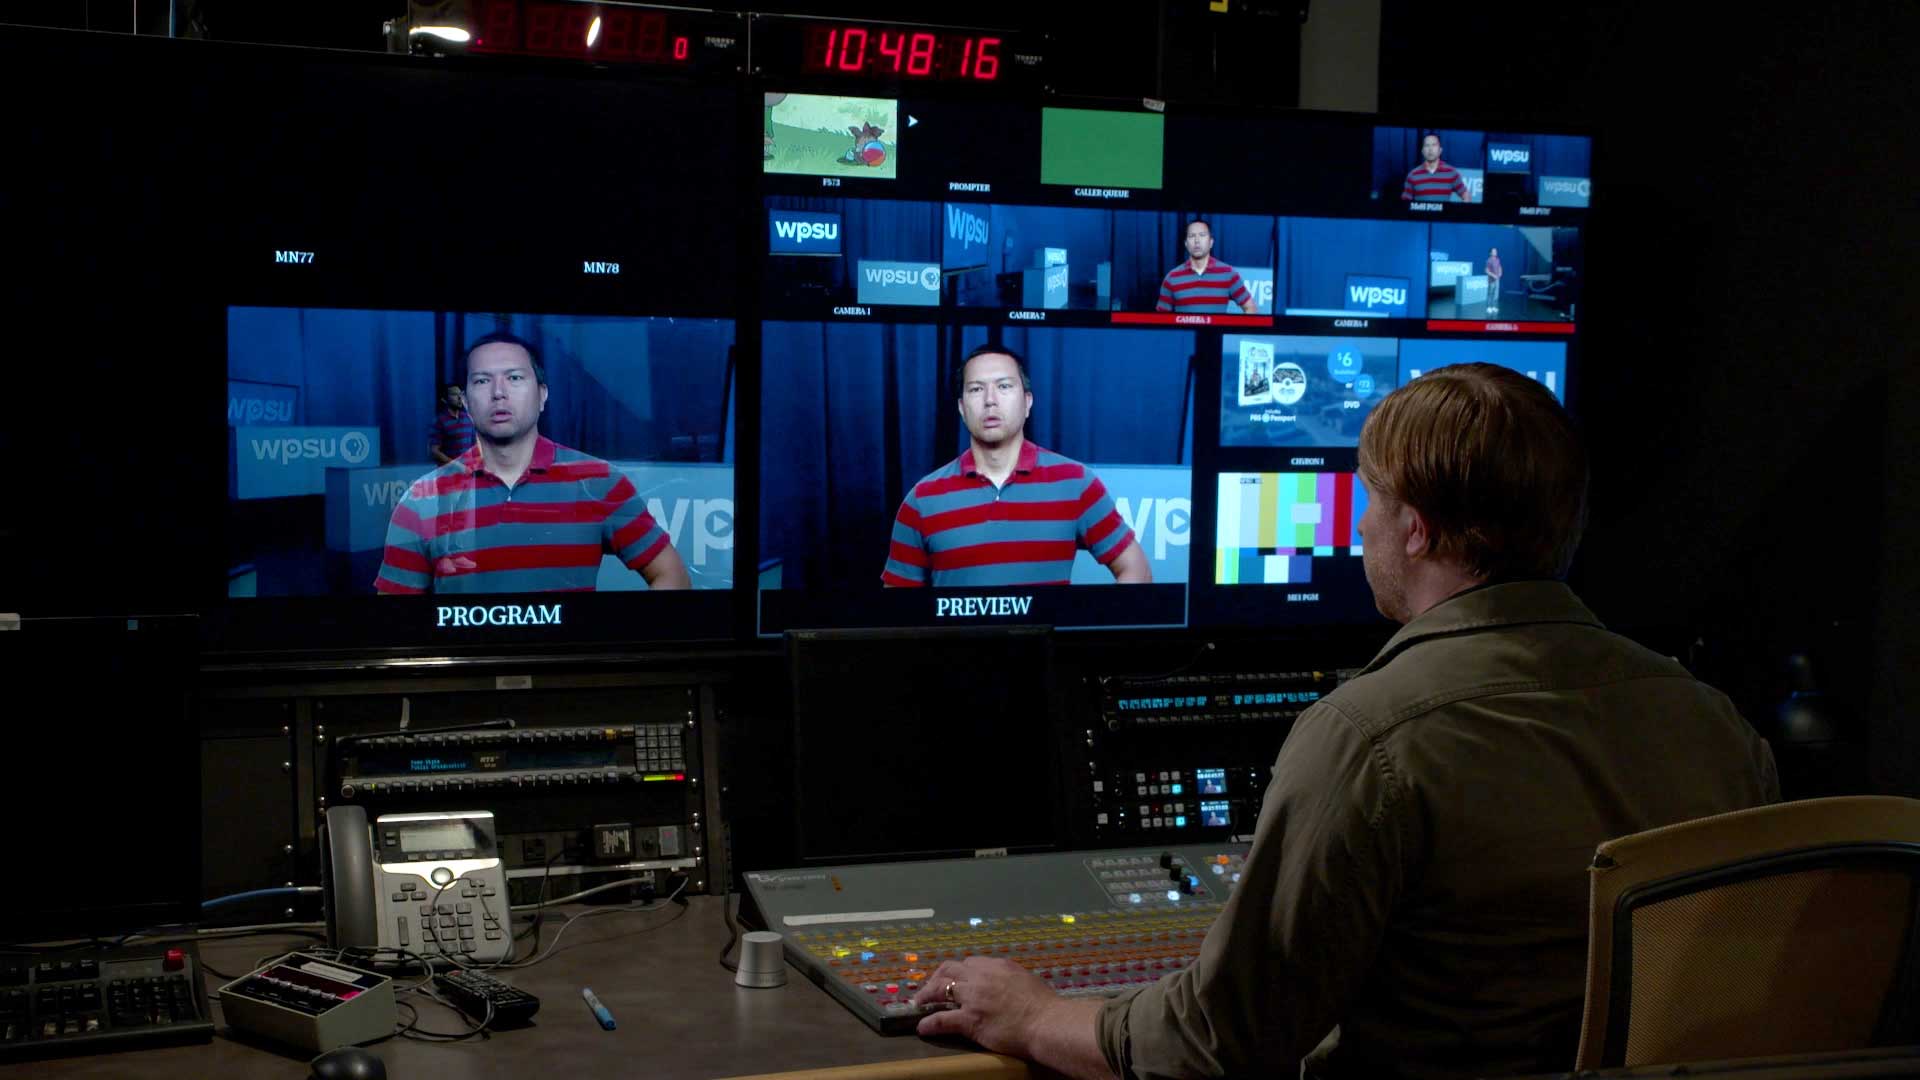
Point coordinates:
[(176, 959)]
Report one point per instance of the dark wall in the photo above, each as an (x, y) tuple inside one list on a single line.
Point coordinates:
[(1750, 326)]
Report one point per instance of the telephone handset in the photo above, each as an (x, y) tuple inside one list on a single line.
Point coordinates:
[(429, 884)]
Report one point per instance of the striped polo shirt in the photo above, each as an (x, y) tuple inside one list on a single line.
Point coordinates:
[(1435, 186), (960, 529), (1184, 290), (461, 530), (452, 434)]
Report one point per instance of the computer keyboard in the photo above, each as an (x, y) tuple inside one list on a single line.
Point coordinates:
[(85, 1001)]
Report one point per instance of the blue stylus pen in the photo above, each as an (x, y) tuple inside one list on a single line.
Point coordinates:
[(600, 1012)]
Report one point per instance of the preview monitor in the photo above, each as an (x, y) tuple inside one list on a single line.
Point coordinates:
[(913, 474)]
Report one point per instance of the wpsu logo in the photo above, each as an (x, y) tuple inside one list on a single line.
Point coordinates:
[(352, 448), (802, 231), (386, 493), (1556, 185), (1262, 291), (928, 277), (710, 521), (243, 412), (1158, 523), (969, 229), (1373, 296), (1508, 155)]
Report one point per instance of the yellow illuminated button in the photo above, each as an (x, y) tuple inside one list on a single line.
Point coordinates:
[(1066, 918), (869, 942), (842, 951)]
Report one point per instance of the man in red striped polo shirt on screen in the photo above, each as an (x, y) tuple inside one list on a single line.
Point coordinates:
[(1203, 284), (1006, 511), (518, 512), (1433, 180)]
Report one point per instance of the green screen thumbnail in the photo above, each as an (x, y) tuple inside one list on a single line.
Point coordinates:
[(1103, 149)]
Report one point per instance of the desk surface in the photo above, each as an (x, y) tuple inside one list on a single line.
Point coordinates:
[(679, 1015)]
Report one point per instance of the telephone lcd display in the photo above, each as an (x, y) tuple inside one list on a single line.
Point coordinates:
[(438, 836)]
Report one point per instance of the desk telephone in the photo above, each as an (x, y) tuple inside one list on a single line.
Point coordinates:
[(431, 884)]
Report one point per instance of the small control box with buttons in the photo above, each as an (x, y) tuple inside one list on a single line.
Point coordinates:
[(310, 1003)]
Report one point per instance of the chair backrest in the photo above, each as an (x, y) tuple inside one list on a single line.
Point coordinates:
[(1887, 1063), (1785, 929)]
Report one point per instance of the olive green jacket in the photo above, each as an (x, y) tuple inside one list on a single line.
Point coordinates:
[(1418, 877)]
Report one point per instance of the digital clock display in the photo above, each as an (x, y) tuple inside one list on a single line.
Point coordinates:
[(902, 52), (608, 33)]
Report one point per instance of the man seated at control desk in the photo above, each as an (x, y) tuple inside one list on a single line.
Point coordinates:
[(1415, 900)]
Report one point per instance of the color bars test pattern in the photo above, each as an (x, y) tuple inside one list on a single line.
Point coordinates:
[(1273, 525)]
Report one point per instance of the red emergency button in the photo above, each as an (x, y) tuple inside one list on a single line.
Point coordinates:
[(176, 959)]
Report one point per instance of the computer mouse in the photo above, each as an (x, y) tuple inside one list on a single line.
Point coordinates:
[(349, 1063)]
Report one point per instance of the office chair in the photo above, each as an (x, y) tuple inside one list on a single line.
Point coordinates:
[(1786, 929), (1888, 1063)]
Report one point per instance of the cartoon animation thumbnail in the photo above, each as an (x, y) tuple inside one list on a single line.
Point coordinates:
[(830, 135)]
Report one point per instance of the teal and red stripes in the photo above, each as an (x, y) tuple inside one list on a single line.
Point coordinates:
[(955, 528), (1435, 186), (1185, 290), (460, 530)]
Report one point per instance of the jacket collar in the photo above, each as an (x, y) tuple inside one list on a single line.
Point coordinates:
[(1488, 607)]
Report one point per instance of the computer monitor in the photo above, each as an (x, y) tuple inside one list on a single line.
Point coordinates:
[(263, 324), (1138, 298), (103, 807), (924, 744)]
